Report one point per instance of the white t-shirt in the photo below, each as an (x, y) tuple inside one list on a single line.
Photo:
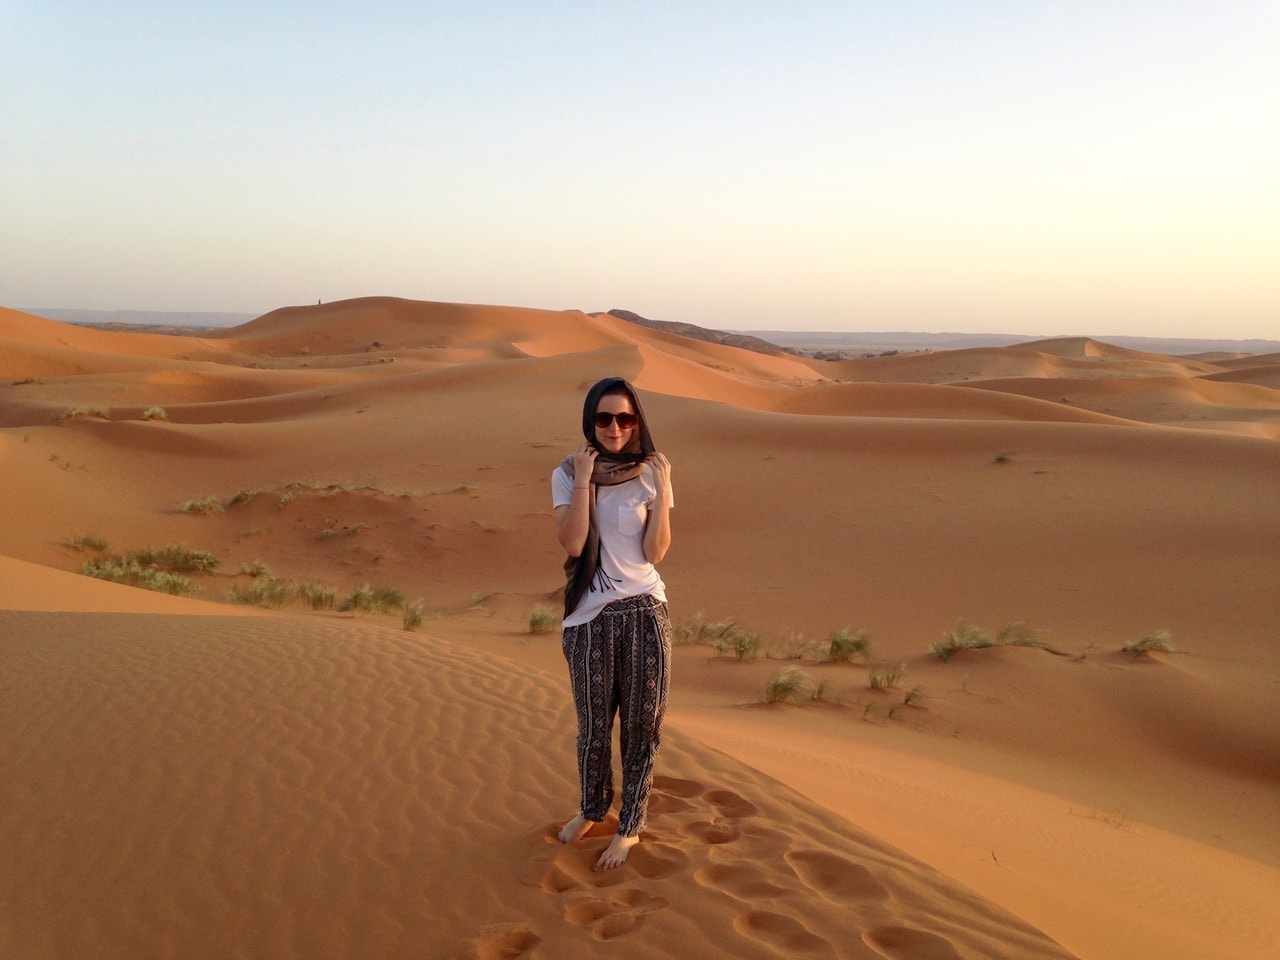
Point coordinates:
[(621, 512)]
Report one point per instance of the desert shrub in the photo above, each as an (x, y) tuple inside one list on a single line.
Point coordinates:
[(794, 646), (724, 635), (913, 696), (75, 413), (176, 557), (255, 569), (845, 644), (318, 596), (742, 643), (965, 636), (203, 506), (543, 619), (262, 592), (886, 677), (1159, 642), (790, 684), (369, 599), (86, 541), (412, 615), (133, 574), (696, 630), (154, 413), (1018, 634)]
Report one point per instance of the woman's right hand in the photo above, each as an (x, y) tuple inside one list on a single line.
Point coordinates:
[(584, 464)]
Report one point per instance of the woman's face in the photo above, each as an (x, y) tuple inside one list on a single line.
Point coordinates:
[(611, 435)]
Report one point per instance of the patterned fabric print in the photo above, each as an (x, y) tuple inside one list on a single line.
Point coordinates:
[(619, 663)]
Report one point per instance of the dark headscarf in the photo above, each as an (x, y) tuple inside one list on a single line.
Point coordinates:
[(610, 469)]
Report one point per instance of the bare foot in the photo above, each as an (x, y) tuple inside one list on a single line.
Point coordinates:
[(574, 829), (616, 853)]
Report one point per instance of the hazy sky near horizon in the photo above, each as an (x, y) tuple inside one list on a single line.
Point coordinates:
[(1028, 167)]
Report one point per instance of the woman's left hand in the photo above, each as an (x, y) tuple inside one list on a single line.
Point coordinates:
[(661, 468)]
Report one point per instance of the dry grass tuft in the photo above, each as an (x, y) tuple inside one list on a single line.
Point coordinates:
[(846, 644), (543, 619), (1159, 642), (790, 684)]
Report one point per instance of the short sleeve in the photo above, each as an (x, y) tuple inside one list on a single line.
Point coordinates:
[(561, 488)]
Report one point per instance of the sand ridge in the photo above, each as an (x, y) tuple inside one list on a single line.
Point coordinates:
[(409, 444)]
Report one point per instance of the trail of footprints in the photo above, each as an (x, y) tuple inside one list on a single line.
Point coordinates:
[(749, 862)]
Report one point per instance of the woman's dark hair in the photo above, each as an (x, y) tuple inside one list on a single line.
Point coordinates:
[(610, 386)]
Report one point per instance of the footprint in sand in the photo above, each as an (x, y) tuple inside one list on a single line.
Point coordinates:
[(712, 833), (568, 871), (746, 881), (787, 935), (610, 918), (755, 842), (677, 788), (502, 941), (835, 877), (903, 943), (653, 859), (671, 795), (729, 804)]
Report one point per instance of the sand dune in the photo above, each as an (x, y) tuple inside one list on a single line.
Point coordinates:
[(200, 778), (210, 786)]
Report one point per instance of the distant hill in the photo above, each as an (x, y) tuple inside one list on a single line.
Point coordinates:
[(858, 344), (694, 332), (846, 343), (154, 321)]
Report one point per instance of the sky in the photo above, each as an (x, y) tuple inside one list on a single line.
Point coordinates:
[(1079, 168)]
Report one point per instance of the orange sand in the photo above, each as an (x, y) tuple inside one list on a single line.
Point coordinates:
[(192, 778)]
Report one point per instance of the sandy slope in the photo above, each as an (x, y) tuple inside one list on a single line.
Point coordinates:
[(409, 444), (208, 786)]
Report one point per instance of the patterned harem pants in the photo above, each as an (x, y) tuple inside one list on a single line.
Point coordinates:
[(619, 663)]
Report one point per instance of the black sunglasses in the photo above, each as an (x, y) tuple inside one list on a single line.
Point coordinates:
[(625, 420)]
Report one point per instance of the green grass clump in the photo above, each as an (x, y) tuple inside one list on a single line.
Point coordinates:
[(1018, 634), (696, 630), (790, 684), (968, 637), (86, 541), (846, 644), (886, 677), (368, 599), (262, 592), (413, 615), (742, 643), (133, 574), (201, 507), (1159, 642), (318, 596), (725, 635), (543, 619), (176, 558), (965, 636)]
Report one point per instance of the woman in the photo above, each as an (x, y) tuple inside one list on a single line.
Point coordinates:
[(612, 501)]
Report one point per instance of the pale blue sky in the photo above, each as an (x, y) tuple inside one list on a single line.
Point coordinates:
[(1087, 168)]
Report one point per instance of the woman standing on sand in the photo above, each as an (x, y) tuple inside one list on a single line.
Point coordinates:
[(612, 501)]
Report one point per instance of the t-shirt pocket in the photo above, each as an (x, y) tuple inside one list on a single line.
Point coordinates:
[(631, 517)]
